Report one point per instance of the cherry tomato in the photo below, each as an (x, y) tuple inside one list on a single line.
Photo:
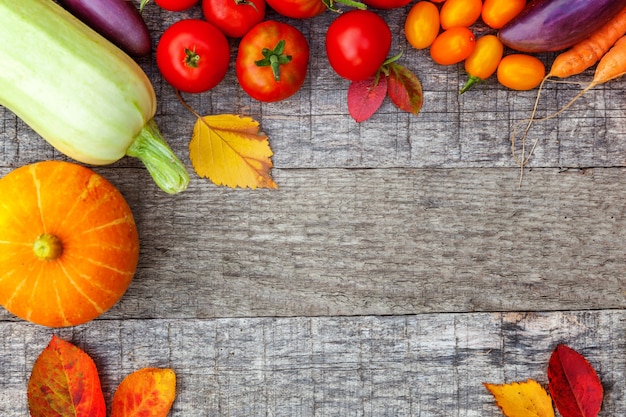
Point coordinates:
[(272, 61), (483, 61), (520, 72), (387, 4), (357, 44), (176, 5), (460, 13), (298, 9), (234, 17), (453, 45), (421, 26), (497, 13), (193, 55)]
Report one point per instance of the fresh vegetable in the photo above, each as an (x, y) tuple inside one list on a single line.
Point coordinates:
[(483, 61), (69, 245), (176, 5), (82, 94), (497, 13), (117, 20), (460, 13), (357, 44), (234, 17), (272, 61), (304, 9), (588, 52), (453, 45), (553, 25), (387, 4), (520, 71), (422, 24), (193, 55), (611, 66)]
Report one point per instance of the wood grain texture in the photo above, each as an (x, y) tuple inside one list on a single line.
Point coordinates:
[(425, 365), (393, 241)]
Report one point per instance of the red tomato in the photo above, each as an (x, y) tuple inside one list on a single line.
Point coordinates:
[(234, 17), (298, 9), (357, 44), (176, 5), (193, 55), (453, 46), (386, 4), (272, 61)]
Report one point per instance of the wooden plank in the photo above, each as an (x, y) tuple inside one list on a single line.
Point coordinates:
[(424, 365), (380, 242)]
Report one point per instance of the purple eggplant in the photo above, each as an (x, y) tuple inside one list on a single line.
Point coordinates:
[(117, 20), (553, 25)]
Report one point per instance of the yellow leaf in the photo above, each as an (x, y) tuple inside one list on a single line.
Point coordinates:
[(230, 150), (522, 399)]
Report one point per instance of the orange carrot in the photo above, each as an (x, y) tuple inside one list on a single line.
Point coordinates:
[(612, 65), (589, 51)]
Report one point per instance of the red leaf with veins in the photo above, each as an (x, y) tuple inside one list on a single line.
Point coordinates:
[(365, 97), (405, 89), (574, 385)]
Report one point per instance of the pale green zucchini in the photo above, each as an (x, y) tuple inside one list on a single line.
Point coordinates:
[(78, 91)]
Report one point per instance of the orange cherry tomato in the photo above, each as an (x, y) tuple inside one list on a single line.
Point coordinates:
[(520, 72), (453, 45), (421, 26), (460, 13), (483, 61), (497, 13)]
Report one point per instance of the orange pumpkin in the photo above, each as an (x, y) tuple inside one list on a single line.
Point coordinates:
[(69, 245)]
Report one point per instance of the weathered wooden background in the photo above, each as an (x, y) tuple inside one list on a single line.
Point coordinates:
[(400, 264)]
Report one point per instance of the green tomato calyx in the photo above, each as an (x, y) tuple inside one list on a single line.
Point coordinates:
[(274, 58), (191, 58)]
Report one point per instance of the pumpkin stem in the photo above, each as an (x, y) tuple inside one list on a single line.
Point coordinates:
[(48, 247)]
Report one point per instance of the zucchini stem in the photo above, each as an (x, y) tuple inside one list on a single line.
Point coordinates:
[(166, 169)]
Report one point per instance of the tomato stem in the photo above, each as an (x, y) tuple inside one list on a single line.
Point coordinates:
[(48, 247), (330, 4), (274, 58), (246, 3), (191, 58), (470, 82)]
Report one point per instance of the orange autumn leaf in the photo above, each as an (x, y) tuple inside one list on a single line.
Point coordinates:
[(64, 383), (147, 392), (522, 399), (230, 150)]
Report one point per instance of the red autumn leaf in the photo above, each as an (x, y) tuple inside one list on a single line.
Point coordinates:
[(405, 89), (146, 392), (365, 97), (574, 385), (64, 383)]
